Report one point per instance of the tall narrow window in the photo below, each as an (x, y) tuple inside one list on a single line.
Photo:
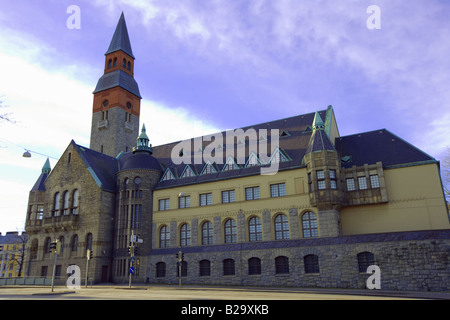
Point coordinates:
[(333, 181), (255, 229), (74, 243), (362, 181), (281, 227), (207, 233), (164, 237), (160, 270), (374, 181), (320, 179), (65, 209), (57, 199), (230, 231), (185, 235), (309, 224)]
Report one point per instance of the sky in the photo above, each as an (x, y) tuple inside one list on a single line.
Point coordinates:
[(205, 66)]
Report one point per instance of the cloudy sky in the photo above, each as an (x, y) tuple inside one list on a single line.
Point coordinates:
[(209, 65)]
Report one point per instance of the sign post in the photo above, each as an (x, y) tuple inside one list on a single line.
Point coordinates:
[(55, 247)]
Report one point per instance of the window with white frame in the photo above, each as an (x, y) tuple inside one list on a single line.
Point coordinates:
[(320, 174), (350, 184), (374, 181), (362, 182)]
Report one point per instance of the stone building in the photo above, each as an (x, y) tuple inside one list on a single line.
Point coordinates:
[(284, 203)]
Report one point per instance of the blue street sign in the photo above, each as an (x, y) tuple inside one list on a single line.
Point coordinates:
[(131, 269), (132, 259)]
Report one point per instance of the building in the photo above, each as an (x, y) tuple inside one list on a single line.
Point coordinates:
[(12, 249), (284, 203)]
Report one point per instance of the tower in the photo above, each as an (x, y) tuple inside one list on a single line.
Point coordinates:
[(117, 101)]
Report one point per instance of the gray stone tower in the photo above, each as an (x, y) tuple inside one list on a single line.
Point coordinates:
[(117, 101)]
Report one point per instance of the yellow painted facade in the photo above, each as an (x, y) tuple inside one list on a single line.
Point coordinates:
[(415, 202)]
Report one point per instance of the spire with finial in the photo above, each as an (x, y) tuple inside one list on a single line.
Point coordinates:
[(121, 40), (46, 168), (318, 122), (143, 142)]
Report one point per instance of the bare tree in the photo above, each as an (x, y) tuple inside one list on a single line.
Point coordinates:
[(5, 116)]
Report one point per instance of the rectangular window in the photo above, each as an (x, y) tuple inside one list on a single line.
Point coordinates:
[(228, 196), (333, 183), (184, 202), (374, 181), (350, 184), (206, 199), (362, 181), (252, 193), (40, 212), (277, 190), (320, 180), (164, 204)]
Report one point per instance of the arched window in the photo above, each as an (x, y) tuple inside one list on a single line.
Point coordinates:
[(47, 245), (89, 241), (109, 63), (281, 227), (160, 270), (124, 63), (115, 62), (365, 259), (230, 231), (185, 235), (65, 208), (75, 197), (164, 237), (34, 249), (228, 267), (205, 268), (61, 241), (74, 243), (309, 225), (56, 204), (255, 229), (207, 233), (254, 266), (311, 263), (281, 265)]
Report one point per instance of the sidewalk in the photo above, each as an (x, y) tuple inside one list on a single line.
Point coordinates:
[(191, 292)]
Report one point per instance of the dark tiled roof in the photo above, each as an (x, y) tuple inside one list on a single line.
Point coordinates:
[(40, 183), (294, 144), (102, 167), (319, 141), (121, 40), (380, 145), (138, 160), (118, 78)]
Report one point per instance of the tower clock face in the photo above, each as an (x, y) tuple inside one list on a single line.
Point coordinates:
[(105, 103), (129, 106)]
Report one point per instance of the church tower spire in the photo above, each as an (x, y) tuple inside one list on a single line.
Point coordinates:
[(117, 100)]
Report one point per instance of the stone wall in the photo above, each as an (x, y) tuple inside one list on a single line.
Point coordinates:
[(417, 261)]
